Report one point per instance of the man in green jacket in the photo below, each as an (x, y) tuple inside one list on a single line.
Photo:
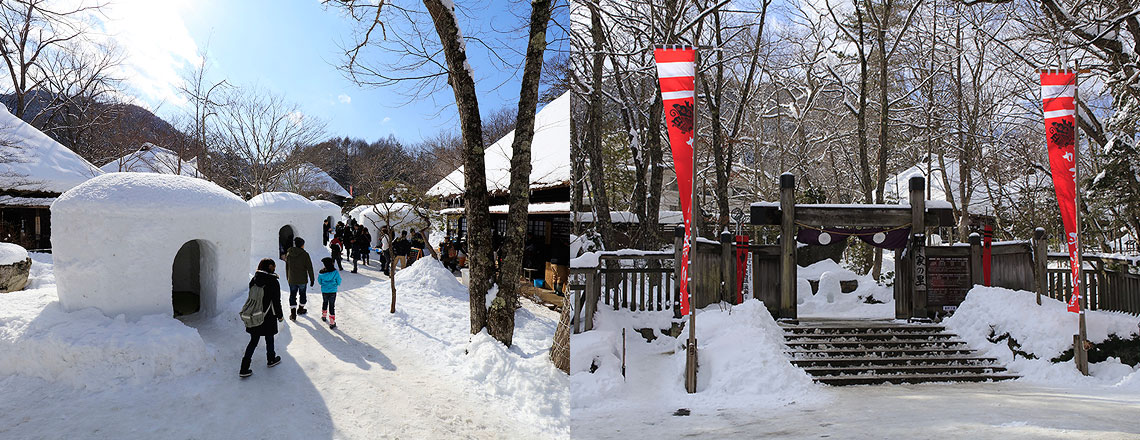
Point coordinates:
[(298, 271)]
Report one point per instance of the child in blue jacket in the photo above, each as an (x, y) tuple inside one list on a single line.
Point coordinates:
[(329, 279)]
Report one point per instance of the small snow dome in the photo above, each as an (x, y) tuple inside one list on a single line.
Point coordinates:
[(140, 244), (278, 218)]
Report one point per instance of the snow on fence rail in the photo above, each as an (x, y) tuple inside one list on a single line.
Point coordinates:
[(636, 281)]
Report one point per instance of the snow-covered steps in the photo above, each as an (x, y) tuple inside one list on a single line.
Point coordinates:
[(871, 352)]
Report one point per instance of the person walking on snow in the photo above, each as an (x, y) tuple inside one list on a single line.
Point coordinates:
[(330, 281), (298, 271), (266, 278), (385, 243), (335, 247), (365, 245)]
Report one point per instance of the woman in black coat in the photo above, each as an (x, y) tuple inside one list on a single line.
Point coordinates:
[(266, 277)]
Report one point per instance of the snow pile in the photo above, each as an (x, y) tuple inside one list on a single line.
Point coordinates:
[(39, 163), (432, 318), (756, 374), (1045, 331), (549, 159), (11, 253), (85, 349), (151, 158), (829, 300), (115, 238)]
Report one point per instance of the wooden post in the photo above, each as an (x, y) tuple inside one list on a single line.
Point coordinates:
[(593, 288), (901, 289), (788, 246), (918, 245), (975, 258), (577, 304), (727, 268), (1041, 263), (678, 243)]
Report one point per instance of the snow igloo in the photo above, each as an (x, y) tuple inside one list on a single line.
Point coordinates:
[(332, 213), (401, 216), (142, 243), (279, 217)]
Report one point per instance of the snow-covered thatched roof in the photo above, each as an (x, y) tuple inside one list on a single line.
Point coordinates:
[(151, 158), (549, 156), (32, 161), (986, 194), (306, 178)]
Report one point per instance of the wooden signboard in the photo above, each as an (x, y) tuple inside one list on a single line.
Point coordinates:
[(947, 281)]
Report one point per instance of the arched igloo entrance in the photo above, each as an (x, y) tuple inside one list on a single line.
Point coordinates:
[(285, 239), (186, 279)]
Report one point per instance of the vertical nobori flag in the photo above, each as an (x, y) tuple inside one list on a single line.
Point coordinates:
[(1058, 100), (676, 71)]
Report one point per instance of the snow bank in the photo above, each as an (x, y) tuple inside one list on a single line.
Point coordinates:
[(115, 238), (1045, 331), (271, 211), (85, 349), (432, 317), (11, 253), (742, 362)]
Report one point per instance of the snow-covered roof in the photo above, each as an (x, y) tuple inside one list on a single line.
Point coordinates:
[(549, 156), (35, 162), (982, 200), (26, 201), (282, 202), (663, 217), (151, 158), (145, 193), (308, 177)]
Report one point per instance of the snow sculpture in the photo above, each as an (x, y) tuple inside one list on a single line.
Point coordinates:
[(139, 244), (278, 217)]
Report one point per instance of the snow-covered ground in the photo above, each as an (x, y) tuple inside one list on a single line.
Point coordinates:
[(747, 388), (377, 375)]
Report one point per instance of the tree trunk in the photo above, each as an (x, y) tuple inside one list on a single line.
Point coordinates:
[(593, 141), (501, 317), (479, 253), (560, 349)]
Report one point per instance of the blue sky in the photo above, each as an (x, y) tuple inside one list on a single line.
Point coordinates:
[(292, 48)]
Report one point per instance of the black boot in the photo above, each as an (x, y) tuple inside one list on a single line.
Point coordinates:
[(245, 371), (292, 314), (272, 362), (301, 310)]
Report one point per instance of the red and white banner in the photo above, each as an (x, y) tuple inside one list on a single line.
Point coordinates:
[(1058, 101), (676, 73)]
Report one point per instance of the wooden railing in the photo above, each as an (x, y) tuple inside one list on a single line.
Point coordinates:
[(638, 282), (1110, 284)]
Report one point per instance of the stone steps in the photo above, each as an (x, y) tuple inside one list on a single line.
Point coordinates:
[(874, 352)]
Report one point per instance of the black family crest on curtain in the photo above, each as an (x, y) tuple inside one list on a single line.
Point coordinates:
[(886, 238), (682, 116), (1062, 133)]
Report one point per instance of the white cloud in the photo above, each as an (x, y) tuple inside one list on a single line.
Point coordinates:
[(156, 45), (344, 99), (385, 120)]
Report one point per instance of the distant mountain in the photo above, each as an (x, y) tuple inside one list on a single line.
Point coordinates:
[(129, 127)]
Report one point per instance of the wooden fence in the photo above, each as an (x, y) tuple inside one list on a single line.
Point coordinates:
[(642, 282), (1110, 283)]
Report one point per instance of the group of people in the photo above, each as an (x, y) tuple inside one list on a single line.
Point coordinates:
[(353, 238), (299, 275)]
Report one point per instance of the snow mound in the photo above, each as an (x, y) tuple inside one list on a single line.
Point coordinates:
[(85, 349), (11, 253), (118, 193), (745, 374), (756, 374), (281, 202), (829, 300), (433, 317), (1044, 330)]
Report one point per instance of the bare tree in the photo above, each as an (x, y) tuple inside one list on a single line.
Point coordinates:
[(259, 130)]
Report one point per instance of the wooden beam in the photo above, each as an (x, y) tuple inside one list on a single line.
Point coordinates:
[(854, 216)]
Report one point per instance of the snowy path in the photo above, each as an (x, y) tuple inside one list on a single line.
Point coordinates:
[(357, 381), (1004, 410)]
